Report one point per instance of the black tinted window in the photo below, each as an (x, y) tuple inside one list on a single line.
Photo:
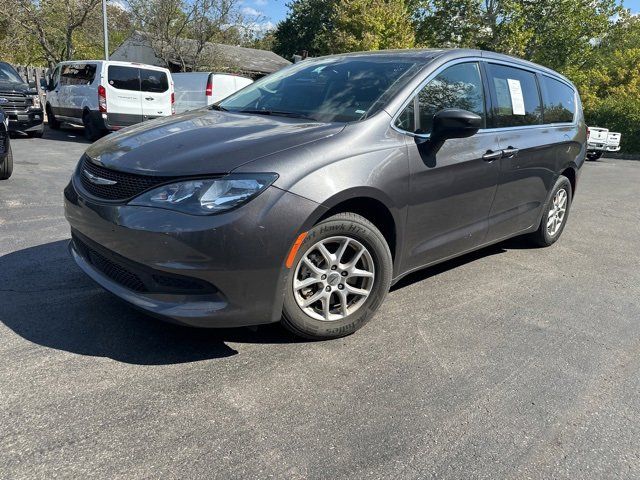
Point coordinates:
[(78, 74), (459, 86), (559, 101), (8, 73), (153, 81), (516, 96), (124, 78), (339, 89)]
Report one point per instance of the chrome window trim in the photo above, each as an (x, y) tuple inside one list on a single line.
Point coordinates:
[(471, 59)]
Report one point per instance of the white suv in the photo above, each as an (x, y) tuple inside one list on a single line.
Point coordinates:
[(105, 95)]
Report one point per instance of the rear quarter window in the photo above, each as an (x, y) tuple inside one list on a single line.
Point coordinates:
[(124, 78), (559, 101), (153, 81), (516, 97)]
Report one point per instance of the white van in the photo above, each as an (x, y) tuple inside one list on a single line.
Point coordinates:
[(105, 95), (596, 142), (199, 89)]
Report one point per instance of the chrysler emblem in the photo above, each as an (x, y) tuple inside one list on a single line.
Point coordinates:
[(97, 180)]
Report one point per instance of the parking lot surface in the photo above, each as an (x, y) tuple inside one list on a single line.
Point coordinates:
[(510, 362)]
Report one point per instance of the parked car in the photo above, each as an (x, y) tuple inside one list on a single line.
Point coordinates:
[(596, 142), (613, 141), (105, 96), (6, 157), (20, 102), (306, 195), (199, 89)]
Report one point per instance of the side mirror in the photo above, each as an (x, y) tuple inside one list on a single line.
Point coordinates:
[(32, 84), (454, 123)]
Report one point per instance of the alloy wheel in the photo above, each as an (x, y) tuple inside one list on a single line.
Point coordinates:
[(558, 210), (333, 278)]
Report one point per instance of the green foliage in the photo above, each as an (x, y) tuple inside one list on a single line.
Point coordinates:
[(619, 114), (369, 25)]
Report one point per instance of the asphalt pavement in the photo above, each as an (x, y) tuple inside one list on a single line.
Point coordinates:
[(511, 362)]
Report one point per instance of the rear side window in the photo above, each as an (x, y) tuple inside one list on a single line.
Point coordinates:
[(78, 74), (559, 101), (459, 86), (153, 81), (516, 96), (124, 78)]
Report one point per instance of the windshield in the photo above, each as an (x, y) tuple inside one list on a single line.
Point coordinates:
[(338, 89), (8, 74)]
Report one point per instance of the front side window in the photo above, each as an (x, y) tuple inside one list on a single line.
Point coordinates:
[(339, 89), (153, 81), (124, 78), (459, 86), (559, 101), (516, 96)]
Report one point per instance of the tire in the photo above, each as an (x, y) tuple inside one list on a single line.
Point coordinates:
[(91, 132), (53, 122), (543, 237), (6, 169), (362, 239), (594, 156)]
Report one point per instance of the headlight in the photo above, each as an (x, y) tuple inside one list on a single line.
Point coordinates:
[(207, 196), (35, 101)]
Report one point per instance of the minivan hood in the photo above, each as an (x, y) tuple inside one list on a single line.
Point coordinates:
[(203, 142)]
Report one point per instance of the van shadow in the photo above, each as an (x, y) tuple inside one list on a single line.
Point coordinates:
[(47, 300)]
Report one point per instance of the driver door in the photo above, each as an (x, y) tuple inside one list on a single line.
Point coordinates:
[(451, 188)]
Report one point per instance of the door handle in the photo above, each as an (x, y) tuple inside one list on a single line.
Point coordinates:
[(148, 98), (509, 152), (490, 156)]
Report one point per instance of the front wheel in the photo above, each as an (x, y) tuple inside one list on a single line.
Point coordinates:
[(556, 212), (593, 156), (6, 169), (340, 276)]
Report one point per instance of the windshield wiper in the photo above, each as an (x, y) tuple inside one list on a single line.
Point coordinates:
[(278, 113)]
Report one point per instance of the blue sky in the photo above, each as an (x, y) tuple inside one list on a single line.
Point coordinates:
[(276, 10)]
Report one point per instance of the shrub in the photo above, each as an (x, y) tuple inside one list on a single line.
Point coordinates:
[(618, 113)]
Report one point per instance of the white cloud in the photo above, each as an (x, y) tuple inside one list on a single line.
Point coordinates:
[(252, 12), (260, 2)]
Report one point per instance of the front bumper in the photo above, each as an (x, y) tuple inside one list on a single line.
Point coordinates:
[(239, 254), (25, 121)]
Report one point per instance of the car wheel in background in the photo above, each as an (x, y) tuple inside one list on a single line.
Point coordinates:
[(556, 212), (7, 166), (36, 133), (91, 132), (593, 156), (53, 123), (339, 277)]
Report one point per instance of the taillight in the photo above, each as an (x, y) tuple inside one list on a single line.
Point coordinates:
[(209, 90), (173, 103), (102, 99)]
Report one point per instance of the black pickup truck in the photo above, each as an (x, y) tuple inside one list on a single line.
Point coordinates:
[(20, 102)]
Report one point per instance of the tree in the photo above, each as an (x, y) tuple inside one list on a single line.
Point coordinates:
[(302, 28), (369, 25)]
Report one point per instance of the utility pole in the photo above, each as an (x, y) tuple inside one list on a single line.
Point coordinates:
[(105, 29)]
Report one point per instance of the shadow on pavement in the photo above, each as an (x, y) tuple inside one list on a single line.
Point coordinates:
[(47, 300)]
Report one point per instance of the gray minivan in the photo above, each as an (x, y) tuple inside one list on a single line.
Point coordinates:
[(307, 194)]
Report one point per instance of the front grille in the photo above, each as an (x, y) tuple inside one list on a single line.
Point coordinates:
[(136, 277), (14, 101), (128, 185), (111, 269)]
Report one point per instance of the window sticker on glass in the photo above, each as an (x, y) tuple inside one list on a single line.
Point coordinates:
[(517, 99)]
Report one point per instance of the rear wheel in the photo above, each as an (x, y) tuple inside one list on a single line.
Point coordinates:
[(593, 156), (54, 124), (340, 276), (6, 169), (555, 214), (91, 132)]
